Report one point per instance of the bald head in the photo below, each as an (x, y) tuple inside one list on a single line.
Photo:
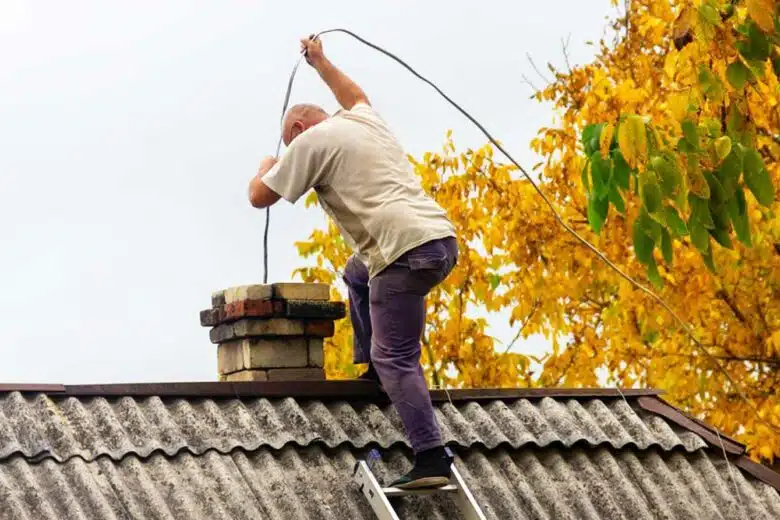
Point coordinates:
[(300, 118)]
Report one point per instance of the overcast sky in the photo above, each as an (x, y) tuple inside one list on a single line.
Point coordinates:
[(130, 129)]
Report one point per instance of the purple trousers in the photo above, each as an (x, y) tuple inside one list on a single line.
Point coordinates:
[(388, 318)]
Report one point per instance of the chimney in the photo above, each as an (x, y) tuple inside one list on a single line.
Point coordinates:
[(271, 332)]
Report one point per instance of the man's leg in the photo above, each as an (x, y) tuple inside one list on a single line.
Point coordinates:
[(356, 279), (397, 297)]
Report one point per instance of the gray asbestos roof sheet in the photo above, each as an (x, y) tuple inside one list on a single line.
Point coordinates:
[(552, 457), (314, 483), (62, 428)]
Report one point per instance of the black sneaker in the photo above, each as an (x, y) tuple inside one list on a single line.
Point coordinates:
[(431, 470)]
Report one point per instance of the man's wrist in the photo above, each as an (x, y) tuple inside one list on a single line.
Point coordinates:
[(321, 64)]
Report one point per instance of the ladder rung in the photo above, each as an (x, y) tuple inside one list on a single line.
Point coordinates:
[(377, 496), (398, 492)]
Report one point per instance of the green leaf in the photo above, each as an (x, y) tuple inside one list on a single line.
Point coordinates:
[(735, 123), (707, 257), (600, 172), (729, 170), (674, 222), (759, 43), (737, 74), (712, 126), (651, 193), (585, 177), (597, 212), (643, 244), (615, 198), (666, 246), (717, 193), (590, 137), (720, 216), (737, 210), (722, 147), (776, 64), (666, 166), (495, 280), (721, 236), (653, 275), (699, 235), (690, 133), (757, 178), (700, 212), (620, 169), (710, 14), (650, 227)]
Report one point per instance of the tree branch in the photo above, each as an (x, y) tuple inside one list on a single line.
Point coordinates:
[(723, 295)]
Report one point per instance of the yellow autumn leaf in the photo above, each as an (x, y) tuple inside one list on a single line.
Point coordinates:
[(684, 22), (632, 140), (670, 64), (606, 139), (722, 147), (678, 106), (761, 11)]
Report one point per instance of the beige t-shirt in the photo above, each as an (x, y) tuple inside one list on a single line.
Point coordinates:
[(366, 184)]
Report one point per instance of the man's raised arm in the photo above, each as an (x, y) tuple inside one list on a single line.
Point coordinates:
[(347, 92)]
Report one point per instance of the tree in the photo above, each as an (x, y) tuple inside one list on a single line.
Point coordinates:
[(665, 159)]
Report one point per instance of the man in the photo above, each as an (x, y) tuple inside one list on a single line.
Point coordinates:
[(403, 244)]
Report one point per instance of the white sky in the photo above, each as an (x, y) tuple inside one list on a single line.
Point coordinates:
[(129, 132)]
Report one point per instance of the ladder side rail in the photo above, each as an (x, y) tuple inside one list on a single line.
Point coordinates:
[(465, 499), (373, 492)]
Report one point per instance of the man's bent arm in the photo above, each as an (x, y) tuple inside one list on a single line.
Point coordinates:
[(347, 92), (260, 195)]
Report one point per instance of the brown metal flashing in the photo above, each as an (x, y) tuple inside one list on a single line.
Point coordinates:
[(716, 439), (32, 388), (341, 389), (763, 473)]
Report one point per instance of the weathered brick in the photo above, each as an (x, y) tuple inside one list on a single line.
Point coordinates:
[(315, 309), (275, 353), (245, 375), (296, 374), (319, 328), (230, 357), (244, 354), (211, 317), (316, 352), (249, 327), (273, 327), (253, 309), (218, 298), (248, 292), (301, 291)]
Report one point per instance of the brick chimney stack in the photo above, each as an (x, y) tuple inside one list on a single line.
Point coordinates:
[(271, 332)]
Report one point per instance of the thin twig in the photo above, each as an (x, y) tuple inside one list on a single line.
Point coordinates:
[(531, 61), (522, 327)]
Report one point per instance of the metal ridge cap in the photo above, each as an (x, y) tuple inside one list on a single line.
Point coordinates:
[(328, 389), (760, 471), (712, 436)]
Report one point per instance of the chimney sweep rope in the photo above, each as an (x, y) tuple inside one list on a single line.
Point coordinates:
[(686, 328)]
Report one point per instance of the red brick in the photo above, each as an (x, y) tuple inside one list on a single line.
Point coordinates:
[(319, 328), (253, 309)]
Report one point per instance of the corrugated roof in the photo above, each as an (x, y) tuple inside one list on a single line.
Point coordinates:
[(300, 483), (174, 451), (42, 426)]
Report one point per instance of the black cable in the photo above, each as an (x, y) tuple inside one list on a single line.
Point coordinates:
[(686, 328)]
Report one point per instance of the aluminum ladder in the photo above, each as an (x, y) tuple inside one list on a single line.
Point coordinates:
[(378, 496)]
